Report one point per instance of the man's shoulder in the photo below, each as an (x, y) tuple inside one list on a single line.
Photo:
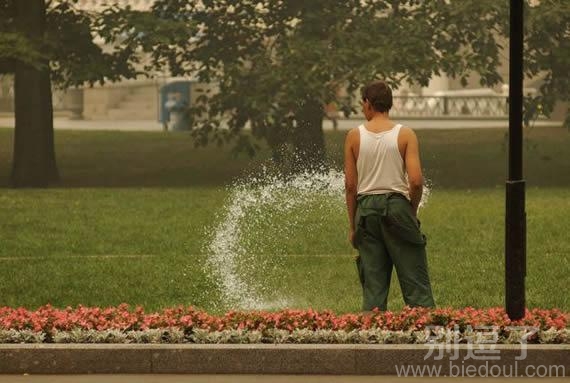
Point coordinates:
[(406, 131), (353, 132), (352, 138)]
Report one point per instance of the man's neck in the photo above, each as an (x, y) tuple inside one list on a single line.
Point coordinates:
[(380, 117)]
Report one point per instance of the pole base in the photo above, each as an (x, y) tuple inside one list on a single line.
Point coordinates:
[(515, 249)]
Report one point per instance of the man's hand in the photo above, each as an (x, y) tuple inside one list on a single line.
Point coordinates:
[(415, 212), (351, 238)]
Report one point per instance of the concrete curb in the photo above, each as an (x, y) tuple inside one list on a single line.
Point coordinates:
[(343, 359)]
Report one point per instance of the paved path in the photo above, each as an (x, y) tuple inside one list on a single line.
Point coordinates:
[(149, 125), (252, 379)]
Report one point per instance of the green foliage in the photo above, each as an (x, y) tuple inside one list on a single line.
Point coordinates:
[(547, 55), (68, 44), (14, 47), (274, 61), (467, 37), (74, 55)]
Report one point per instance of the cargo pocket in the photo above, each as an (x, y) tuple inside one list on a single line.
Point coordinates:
[(359, 234), (359, 270), (401, 222), (359, 231)]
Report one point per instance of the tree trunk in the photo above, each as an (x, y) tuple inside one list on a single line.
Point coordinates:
[(308, 139), (34, 155)]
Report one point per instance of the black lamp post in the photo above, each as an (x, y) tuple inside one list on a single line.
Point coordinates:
[(515, 233)]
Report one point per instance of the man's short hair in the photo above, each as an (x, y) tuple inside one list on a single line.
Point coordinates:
[(379, 95)]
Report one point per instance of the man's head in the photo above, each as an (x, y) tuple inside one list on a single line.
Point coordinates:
[(376, 98)]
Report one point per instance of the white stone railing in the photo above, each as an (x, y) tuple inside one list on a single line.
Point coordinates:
[(447, 107)]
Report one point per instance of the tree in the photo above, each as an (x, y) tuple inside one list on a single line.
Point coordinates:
[(547, 56), (34, 157), (277, 63), (40, 42)]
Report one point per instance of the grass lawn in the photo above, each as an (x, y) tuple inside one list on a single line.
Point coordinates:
[(131, 219), (452, 159)]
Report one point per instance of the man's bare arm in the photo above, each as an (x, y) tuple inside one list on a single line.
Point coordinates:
[(350, 179), (414, 169)]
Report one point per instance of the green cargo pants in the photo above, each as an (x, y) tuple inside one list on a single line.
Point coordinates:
[(388, 234)]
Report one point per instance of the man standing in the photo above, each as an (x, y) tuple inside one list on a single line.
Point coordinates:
[(384, 184)]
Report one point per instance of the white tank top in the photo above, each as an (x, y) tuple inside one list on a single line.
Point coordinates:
[(380, 165)]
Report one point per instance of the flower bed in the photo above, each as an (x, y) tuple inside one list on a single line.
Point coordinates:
[(188, 325)]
